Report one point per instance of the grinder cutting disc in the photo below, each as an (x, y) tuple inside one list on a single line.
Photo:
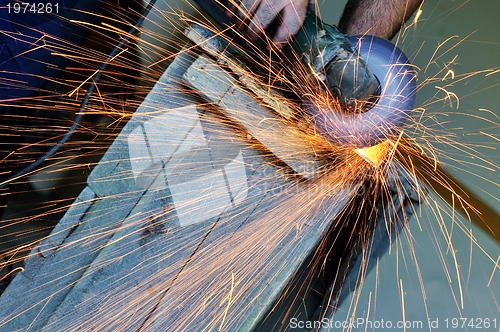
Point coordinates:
[(392, 106)]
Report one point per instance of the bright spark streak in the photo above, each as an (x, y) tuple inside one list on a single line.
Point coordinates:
[(451, 73), (402, 302), (496, 267), (95, 73), (449, 95), (228, 302), (417, 16)]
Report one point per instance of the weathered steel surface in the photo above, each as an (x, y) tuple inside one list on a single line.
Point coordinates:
[(217, 47), (53, 268), (284, 140)]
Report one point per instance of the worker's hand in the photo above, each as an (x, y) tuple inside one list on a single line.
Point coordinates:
[(262, 13)]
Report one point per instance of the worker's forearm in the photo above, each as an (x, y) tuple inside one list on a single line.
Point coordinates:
[(381, 18)]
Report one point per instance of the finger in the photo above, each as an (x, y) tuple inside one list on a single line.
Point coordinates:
[(247, 8), (231, 7), (292, 18), (312, 5), (263, 17)]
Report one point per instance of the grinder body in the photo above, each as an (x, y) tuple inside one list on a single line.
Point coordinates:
[(334, 61)]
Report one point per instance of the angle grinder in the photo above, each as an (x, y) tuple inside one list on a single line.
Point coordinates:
[(356, 70)]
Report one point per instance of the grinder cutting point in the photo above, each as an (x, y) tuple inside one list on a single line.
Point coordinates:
[(378, 77)]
